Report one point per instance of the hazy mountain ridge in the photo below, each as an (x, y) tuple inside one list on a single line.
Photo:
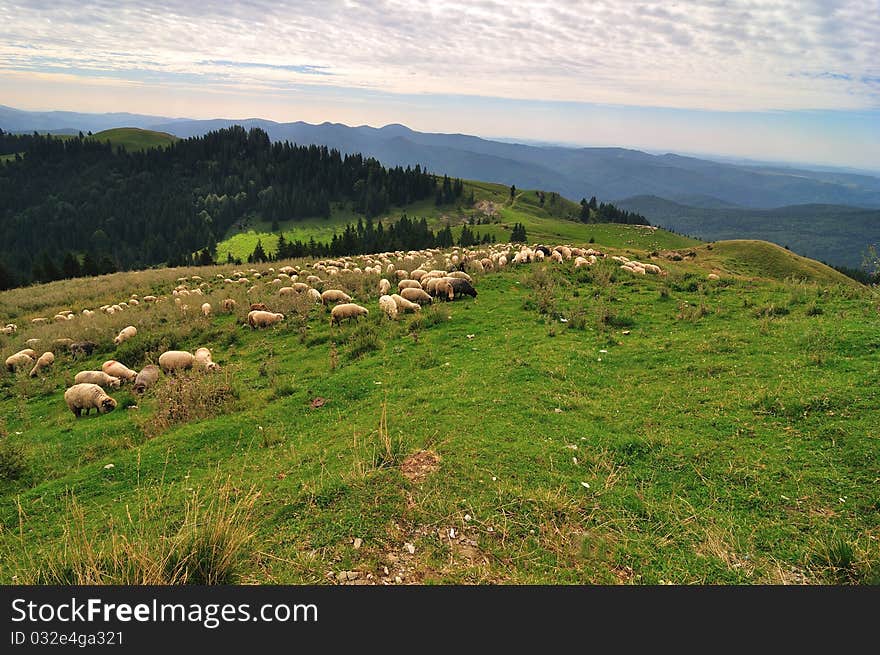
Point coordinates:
[(608, 173), (835, 234)]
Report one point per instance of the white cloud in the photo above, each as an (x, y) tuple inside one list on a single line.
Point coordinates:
[(711, 54)]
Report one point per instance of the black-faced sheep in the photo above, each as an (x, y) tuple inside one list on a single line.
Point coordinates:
[(347, 311), (148, 376), (100, 378), (85, 397)]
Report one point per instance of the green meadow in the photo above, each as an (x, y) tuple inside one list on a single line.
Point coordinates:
[(567, 426)]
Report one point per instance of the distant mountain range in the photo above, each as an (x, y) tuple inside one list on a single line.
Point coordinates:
[(834, 234), (611, 174)]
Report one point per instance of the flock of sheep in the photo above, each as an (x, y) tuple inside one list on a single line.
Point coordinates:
[(419, 278)]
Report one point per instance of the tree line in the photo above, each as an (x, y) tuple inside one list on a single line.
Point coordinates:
[(367, 236), (77, 206)]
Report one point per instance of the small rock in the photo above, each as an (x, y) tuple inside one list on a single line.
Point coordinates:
[(470, 336), (558, 411), (411, 549), (385, 570), (467, 517), (398, 579), (358, 542), (346, 576), (625, 332), (585, 485), (452, 533), (109, 466)]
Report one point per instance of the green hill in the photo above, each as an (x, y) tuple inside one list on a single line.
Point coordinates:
[(134, 139), (565, 426), (492, 209)]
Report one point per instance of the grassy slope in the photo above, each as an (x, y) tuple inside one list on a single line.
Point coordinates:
[(721, 442), (133, 138), (542, 223)]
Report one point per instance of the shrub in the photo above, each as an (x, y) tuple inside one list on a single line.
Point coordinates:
[(190, 396), (13, 462)]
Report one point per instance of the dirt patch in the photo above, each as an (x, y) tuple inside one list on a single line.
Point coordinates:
[(487, 208), (318, 402), (420, 465)]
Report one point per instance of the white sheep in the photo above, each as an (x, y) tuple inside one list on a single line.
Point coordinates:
[(335, 295), (147, 377), (125, 334), (86, 397), (259, 319), (176, 360), (387, 305), (384, 286), (404, 305), (202, 359), (100, 378), (416, 295), (347, 311), (206, 309), (45, 361), (119, 370)]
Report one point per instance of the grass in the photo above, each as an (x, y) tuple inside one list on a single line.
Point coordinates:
[(134, 139), (551, 222), (669, 430)]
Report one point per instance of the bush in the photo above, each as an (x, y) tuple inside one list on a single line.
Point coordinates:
[(364, 339), (190, 396), (13, 462)]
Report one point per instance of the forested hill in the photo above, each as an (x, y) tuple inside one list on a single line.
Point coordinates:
[(79, 206)]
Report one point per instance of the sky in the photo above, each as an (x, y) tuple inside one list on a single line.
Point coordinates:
[(784, 80)]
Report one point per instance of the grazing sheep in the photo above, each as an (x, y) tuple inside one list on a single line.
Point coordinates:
[(61, 343), (416, 295), (580, 261), (100, 378), (45, 361), (404, 305), (461, 275), (125, 334), (335, 295), (86, 397), (443, 289), (112, 367), (259, 306), (82, 348), (176, 360), (39, 320), (401, 274), (206, 309), (384, 286), (300, 287), (462, 287), (19, 360), (418, 274), (149, 299), (314, 295), (148, 376), (347, 311), (286, 291), (203, 360), (713, 276), (387, 305), (228, 305), (260, 319), (30, 343), (408, 284)]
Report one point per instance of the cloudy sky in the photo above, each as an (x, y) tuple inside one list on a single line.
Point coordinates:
[(795, 80)]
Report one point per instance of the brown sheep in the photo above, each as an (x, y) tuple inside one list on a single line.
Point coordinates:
[(125, 334), (86, 397), (19, 360)]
